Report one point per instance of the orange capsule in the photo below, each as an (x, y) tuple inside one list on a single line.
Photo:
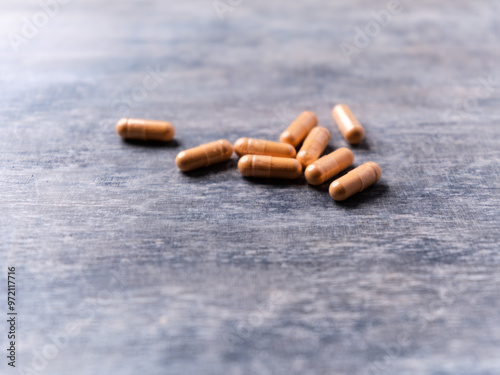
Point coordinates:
[(348, 125), (244, 146), (145, 130), (313, 146), (269, 167), (328, 166), (299, 128), (355, 181), (204, 155)]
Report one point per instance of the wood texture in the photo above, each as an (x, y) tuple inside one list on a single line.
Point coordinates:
[(207, 272)]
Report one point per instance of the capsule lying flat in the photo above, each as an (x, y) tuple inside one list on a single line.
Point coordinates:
[(252, 146), (328, 166), (348, 125), (299, 128), (355, 181), (269, 167), (204, 155), (313, 146), (145, 130)]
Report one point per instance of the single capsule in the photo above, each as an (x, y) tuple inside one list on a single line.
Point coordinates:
[(269, 167), (313, 146), (145, 130), (299, 128), (328, 166), (355, 181), (204, 155), (348, 125), (244, 146)]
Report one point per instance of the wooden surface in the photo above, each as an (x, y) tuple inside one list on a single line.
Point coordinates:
[(161, 272)]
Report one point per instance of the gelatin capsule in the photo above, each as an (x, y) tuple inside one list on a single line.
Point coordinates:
[(269, 167), (348, 125), (328, 166), (313, 146), (145, 130), (299, 128), (204, 155), (355, 181), (244, 146)]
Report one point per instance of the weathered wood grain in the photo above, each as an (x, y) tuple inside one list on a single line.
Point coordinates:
[(208, 272)]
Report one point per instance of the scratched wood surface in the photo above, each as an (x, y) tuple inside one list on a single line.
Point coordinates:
[(127, 266)]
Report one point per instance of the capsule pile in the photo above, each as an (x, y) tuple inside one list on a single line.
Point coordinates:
[(268, 159)]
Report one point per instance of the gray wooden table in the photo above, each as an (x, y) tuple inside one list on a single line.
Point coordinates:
[(126, 266)]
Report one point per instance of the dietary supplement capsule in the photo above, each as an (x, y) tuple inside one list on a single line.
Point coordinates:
[(204, 155), (299, 128), (313, 146), (145, 130), (348, 125), (244, 146), (269, 167), (328, 166), (355, 181)]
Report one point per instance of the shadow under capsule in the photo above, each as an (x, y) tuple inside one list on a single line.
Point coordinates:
[(152, 144), (212, 169), (323, 188), (276, 181), (364, 145), (329, 149), (376, 191)]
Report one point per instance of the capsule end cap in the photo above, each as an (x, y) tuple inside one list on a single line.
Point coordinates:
[(180, 161), (355, 136), (121, 127), (303, 159), (286, 137), (227, 148), (338, 107), (244, 164), (337, 191), (291, 152), (169, 132), (313, 175), (376, 168), (298, 169), (312, 115), (239, 146)]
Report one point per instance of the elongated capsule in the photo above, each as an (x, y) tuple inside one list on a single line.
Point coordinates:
[(313, 146), (355, 181), (299, 128), (328, 166), (204, 155), (244, 146), (348, 125), (269, 167), (145, 130)]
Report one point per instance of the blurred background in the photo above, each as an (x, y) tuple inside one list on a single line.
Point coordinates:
[(127, 266)]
